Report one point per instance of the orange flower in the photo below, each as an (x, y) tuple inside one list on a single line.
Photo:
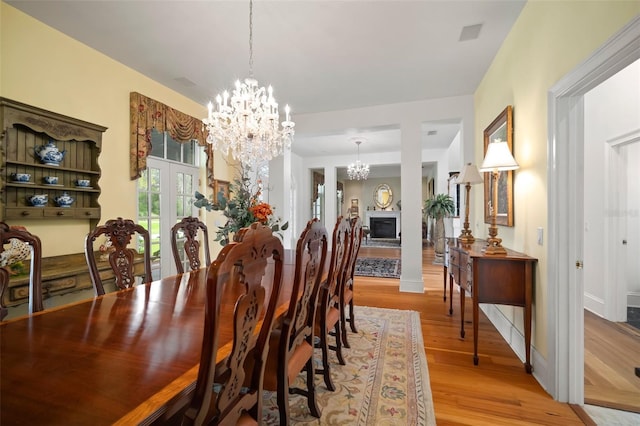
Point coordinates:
[(261, 212)]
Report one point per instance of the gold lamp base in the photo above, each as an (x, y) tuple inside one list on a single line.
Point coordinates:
[(494, 244), (495, 250), (466, 237)]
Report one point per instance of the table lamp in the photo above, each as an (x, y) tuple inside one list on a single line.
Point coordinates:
[(469, 176), (497, 159)]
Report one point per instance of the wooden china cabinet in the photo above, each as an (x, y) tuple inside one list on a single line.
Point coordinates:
[(25, 128)]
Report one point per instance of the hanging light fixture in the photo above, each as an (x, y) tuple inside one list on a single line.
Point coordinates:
[(246, 124), (358, 170)]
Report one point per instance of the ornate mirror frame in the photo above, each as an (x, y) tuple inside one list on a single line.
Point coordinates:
[(501, 128), (383, 196)]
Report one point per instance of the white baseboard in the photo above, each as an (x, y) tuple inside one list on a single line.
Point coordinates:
[(633, 300), (515, 339), (411, 286), (594, 304)]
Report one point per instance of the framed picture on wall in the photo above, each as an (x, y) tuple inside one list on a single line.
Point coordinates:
[(353, 210), (221, 188), (501, 128)]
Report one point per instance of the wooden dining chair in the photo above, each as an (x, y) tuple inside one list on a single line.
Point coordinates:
[(123, 258), (185, 233), (220, 396), (16, 238), (329, 299), (291, 345), (357, 233)]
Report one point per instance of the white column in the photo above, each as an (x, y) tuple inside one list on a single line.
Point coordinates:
[(279, 196), (330, 198), (411, 223)]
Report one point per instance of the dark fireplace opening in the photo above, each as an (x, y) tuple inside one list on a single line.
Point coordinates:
[(383, 227)]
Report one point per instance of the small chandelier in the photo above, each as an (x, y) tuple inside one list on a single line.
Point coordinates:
[(358, 170), (247, 122)]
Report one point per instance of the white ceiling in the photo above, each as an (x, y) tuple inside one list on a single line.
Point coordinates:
[(319, 55)]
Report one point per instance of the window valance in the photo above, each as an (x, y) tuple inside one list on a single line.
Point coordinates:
[(147, 114), (318, 179)]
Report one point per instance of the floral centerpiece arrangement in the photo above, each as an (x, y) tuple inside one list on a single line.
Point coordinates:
[(243, 207)]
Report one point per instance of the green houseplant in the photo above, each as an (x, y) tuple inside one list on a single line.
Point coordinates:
[(438, 208), (244, 208)]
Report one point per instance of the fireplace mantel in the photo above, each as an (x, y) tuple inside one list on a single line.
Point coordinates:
[(384, 214)]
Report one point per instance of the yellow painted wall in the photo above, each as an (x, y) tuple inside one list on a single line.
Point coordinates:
[(42, 67), (549, 39)]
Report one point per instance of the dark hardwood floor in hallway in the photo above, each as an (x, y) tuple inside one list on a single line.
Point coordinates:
[(497, 391)]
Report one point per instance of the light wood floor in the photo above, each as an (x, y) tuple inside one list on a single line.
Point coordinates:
[(611, 354), (497, 391)]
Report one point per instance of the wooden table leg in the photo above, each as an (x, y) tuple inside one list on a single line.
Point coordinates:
[(475, 329), (527, 316), (462, 294), (450, 294), (444, 278)]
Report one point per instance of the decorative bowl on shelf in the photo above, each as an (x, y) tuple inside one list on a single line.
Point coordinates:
[(83, 183), (38, 200), (50, 180), (49, 154), (64, 200), (20, 177)]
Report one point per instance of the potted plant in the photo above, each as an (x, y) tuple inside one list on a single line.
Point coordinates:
[(438, 208)]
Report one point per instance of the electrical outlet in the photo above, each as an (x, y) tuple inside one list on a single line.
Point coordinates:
[(540, 236)]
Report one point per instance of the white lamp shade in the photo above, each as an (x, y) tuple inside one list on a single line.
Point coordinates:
[(469, 174), (498, 158)]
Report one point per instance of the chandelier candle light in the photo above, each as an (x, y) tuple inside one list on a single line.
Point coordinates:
[(246, 124), (497, 159), (469, 176), (358, 170)]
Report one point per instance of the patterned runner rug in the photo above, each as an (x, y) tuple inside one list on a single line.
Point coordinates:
[(377, 267), (385, 380)]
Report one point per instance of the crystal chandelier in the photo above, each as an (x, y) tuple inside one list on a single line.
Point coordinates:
[(358, 170), (246, 124)]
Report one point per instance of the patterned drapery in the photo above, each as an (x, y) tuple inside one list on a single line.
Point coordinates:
[(318, 179), (147, 114)]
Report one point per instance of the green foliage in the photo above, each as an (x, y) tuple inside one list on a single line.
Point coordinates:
[(239, 209), (440, 206)]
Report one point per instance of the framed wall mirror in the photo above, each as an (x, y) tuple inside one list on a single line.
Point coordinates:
[(501, 128), (382, 196)]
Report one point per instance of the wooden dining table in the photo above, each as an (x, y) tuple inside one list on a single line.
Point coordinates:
[(129, 357)]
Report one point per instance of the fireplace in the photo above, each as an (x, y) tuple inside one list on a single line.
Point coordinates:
[(388, 219), (383, 227)]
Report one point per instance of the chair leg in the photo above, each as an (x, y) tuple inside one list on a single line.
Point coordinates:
[(343, 326), (352, 318), (324, 346), (338, 347), (283, 400), (311, 390)]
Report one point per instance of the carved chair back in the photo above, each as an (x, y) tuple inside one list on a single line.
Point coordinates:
[(122, 258), (219, 396), (291, 347), (346, 288), (329, 298), (187, 230), (17, 251)]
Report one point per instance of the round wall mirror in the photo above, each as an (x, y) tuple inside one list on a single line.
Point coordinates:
[(383, 196)]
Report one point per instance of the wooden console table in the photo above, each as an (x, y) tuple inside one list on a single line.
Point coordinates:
[(501, 280)]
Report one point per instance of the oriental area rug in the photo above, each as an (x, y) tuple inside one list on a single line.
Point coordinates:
[(385, 380), (377, 267)]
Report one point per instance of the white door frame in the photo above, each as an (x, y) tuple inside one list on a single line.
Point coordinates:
[(565, 145), (615, 308), (168, 215)]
